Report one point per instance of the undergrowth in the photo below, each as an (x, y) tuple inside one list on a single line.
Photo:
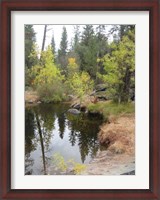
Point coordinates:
[(108, 109)]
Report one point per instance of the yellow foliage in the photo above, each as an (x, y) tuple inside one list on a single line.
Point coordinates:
[(71, 61), (72, 67), (78, 168), (63, 166), (59, 162), (46, 72)]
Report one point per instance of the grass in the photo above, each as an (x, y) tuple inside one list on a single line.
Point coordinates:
[(108, 109)]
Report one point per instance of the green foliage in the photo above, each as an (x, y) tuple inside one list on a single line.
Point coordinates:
[(119, 68), (90, 60), (62, 52), (64, 42), (72, 67), (46, 78), (76, 39), (63, 166), (93, 45), (51, 92), (80, 84), (53, 45), (87, 51), (47, 71), (31, 52), (111, 108), (29, 45)]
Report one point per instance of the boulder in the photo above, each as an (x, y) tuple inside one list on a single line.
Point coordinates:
[(101, 87), (30, 101), (74, 111), (76, 106), (71, 97)]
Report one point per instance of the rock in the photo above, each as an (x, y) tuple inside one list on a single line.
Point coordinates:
[(101, 95), (76, 106), (102, 98), (93, 93), (74, 111), (101, 87), (30, 101), (129, 173), (83, 108), (71, 97)]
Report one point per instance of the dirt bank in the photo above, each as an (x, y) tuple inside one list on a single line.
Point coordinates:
[(119, 158), (31, 97)]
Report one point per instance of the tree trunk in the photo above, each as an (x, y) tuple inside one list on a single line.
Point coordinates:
[(44, 38), (42, 145)]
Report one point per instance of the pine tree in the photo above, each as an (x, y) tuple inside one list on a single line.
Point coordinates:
[(76, 36), (87, 51), (62, 52), (64, 42), (53, 45), (88, 34), (102, 47), (30, 40)]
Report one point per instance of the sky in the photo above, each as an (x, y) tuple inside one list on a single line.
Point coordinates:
[(57, 31), (52, 29)]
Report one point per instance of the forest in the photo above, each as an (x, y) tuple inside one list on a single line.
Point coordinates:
[(76, 69), (80, 101)]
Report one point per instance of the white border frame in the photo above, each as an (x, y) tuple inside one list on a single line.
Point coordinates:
[(141, 179)]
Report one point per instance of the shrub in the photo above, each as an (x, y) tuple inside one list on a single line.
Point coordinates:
[(63, 166), (50, 92)]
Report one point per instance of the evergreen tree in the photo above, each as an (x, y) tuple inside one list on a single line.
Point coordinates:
[(102, 47), (62, 52), (87, 35), (75, 42), (53, 45), (118, 31), (30, 40), (87, 51), (64, 42), (76, 36), (102, 41)]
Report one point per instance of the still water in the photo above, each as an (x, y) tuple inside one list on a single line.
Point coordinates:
[(49, 130)]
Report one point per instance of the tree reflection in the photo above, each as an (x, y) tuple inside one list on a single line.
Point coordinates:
[(61, 122), (43, 120), (39, 130), (84, 131), (30, 145), (73, 137), (60, 111)]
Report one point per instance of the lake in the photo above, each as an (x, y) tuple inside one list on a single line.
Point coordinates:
[(52, 133)]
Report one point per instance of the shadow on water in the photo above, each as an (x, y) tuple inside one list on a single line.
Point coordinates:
[(49, 130)]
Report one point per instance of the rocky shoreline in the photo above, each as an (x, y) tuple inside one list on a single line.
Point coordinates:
[(107, 163), (119, 158)]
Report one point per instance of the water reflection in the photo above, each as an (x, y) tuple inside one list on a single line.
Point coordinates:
[(49, 129)]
